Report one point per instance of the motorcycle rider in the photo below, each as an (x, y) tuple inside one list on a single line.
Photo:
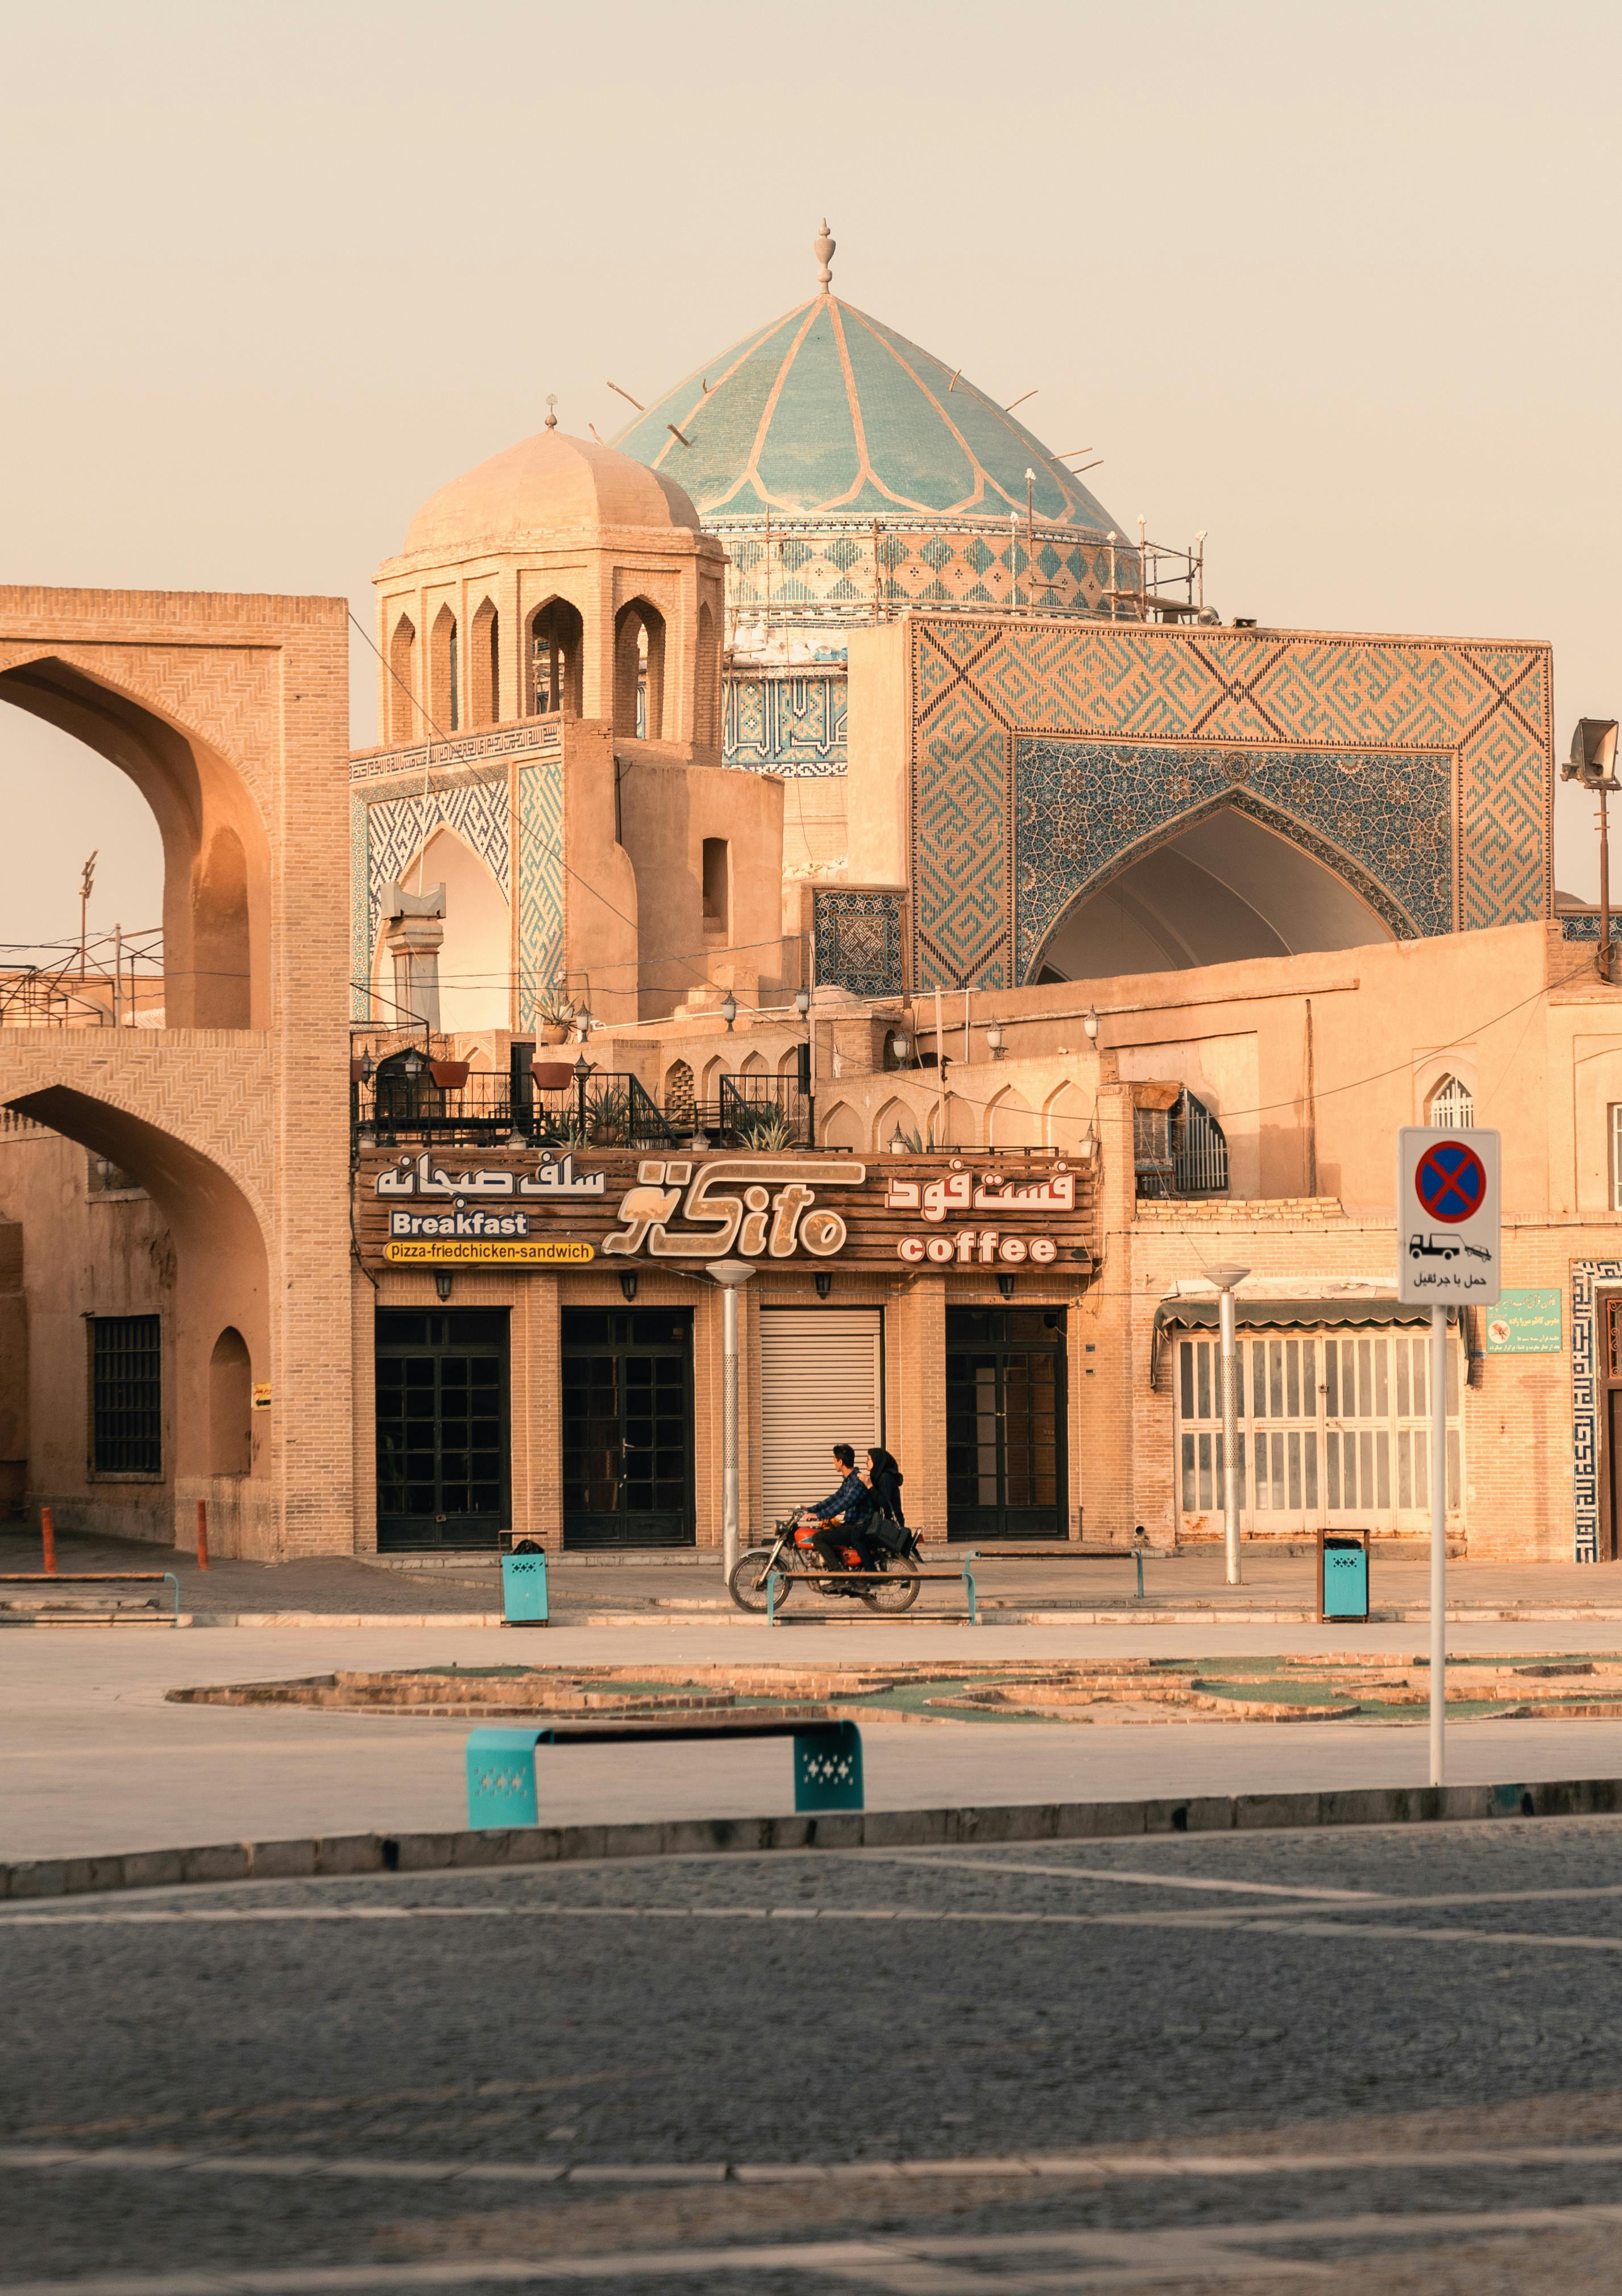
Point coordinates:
[(849, 1506)]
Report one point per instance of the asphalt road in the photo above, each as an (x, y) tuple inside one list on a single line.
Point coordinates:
[(1379, 2060)]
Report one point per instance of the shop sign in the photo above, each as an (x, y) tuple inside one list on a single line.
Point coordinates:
[(957, 1192), (687, 1210), (261, 1394), (1525, 1323)]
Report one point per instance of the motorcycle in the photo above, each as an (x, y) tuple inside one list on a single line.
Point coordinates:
[(792, 1547)]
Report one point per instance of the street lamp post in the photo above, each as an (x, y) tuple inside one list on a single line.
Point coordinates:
[(1227, 1280), (732, 1276)]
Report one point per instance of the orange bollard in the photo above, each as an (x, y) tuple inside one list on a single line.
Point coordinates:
[(47, 1533), (202, 1533)]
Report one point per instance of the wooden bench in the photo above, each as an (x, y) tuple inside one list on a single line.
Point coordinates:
[(501, 1764)]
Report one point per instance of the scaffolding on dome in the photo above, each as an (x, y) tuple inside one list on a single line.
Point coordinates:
[(111, 980)]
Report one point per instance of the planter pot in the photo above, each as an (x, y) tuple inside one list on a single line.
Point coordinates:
[(554, 1035)]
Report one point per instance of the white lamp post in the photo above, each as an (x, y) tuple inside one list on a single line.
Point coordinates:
[(731, 1275), (1227, 1280)]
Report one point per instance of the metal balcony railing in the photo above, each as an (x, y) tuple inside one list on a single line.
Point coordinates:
[(601, 1109)]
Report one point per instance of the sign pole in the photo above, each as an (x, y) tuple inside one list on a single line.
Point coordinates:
[(1449, 1249), (1438, 1537), (731, 1275)]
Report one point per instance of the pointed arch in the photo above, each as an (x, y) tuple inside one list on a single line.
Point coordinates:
[(216, 871), (639, 671), (554, 649), (707, 683), (1066, 1117), (1012, 1122), (402, 711), (444, 704), (484, 666), (475, 961), (230, 1404), (842, 1127), (678, 1095), (1451, 1100)]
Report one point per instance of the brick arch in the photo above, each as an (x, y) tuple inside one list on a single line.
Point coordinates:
[(210, 819), (222, 1263), (229, 711)]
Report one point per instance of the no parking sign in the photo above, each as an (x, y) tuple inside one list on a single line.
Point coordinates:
[(1448, 1246)]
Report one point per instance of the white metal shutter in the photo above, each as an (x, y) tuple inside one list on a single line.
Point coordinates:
[(820, 1384)]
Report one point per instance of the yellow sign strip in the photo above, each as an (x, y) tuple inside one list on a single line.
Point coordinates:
[(529, 1251)]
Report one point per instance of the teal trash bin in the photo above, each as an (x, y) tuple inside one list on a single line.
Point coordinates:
[(1343, 1574), (523, 1586)]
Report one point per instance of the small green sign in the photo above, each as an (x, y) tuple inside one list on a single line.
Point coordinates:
[(1524, 1324)]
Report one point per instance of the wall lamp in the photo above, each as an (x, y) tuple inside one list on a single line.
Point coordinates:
[(729, 1010), (627, 1284), (1090, 1023), (443, 1282), (995, 1041)]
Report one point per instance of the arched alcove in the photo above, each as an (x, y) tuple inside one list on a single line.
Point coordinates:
[(1450, 1102), (476, 954), (1012, 1122), (221, 1273), (678, 1095), (445, 705), (639, 670), (215, 897), (754, 1064), (842, 1127), (556, 634), (231, 1405), (1226, 889), (484, 666), (707, 686), (1067, 1116), (403, 715)]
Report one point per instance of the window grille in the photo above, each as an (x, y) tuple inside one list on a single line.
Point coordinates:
[(1198, 1149), (127, 1395), (1451, 1103)]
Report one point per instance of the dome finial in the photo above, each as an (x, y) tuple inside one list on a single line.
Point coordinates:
[(551, 400), (823, 248)]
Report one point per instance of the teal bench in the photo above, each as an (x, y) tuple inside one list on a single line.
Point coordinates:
[(501, 1764)]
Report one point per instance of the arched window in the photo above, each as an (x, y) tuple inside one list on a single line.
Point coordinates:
[(639, 671), (402, 683), (555, 633), (485, 667), (707, 688), (1452, 1103), (447, 701)]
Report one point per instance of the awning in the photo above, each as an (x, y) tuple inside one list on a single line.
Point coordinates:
[(1376, 1310), (1381, 1309)]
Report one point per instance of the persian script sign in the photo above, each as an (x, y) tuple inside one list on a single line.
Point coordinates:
[(484, 1207)]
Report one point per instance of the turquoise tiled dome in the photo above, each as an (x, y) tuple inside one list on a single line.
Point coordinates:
[(828, 414)]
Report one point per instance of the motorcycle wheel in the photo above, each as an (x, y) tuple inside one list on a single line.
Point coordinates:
[(898, 1590), (747, 1585)]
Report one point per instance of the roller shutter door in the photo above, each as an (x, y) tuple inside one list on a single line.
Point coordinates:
[(821, 1384)]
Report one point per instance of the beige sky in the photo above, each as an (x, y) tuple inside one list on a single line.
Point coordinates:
[(1335, 283)]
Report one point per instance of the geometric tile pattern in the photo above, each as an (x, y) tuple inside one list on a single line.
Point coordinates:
[(1579, 927), (978, 684), (1585, 1428), (858, 942), (791, 723), (1381, 819), (540, 884), (825, 571), (398, 828), (466, 749)]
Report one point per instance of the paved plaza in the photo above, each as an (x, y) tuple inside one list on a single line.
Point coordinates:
[(1376, 2059)]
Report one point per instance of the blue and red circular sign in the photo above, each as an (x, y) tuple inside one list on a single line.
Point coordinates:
[(1450, 1180)]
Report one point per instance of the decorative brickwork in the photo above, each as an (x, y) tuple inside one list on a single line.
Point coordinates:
[(1329, 738)]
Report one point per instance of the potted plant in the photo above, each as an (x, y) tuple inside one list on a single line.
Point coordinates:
[(555, 1016)]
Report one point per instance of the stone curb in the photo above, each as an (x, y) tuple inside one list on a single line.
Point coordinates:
[(877, 1829)]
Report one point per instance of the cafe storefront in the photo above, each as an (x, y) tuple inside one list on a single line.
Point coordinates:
[(538, 1341)]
